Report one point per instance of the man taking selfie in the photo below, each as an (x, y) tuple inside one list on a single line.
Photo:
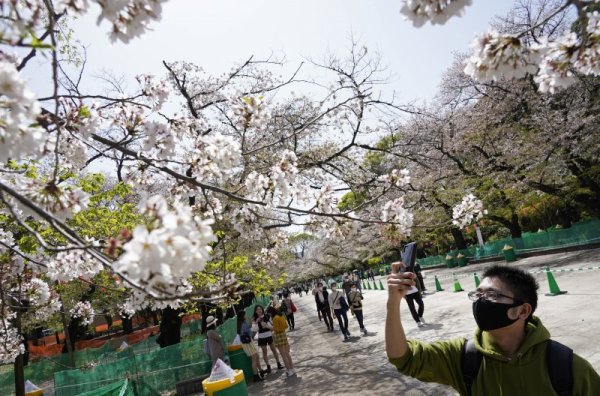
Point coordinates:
[(510, 354)]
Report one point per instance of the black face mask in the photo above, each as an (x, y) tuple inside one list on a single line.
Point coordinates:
[(491, 316)]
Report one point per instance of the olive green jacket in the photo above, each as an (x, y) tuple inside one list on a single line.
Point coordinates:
[(524, 374)]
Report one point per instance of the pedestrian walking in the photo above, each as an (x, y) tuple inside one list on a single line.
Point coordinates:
[(245, 332), (262, 326), (357, 281), (412, 296), (314, 293), (339, 305), (322, 301), (289, 308), (371, 275), (355, 299), (281, 341), (347, 284)]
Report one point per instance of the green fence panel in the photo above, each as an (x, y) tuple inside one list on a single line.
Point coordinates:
[(584, 232), (151, 372)]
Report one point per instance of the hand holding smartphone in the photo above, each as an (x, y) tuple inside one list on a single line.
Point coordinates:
[(409, 256)]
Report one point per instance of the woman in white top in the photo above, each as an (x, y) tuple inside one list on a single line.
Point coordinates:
[(335, 302), (261, 324)]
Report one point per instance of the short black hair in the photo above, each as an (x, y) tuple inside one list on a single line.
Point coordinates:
[(521, 283)]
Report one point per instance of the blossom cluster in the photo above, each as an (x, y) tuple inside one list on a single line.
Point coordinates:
[(59, 199), (336, 229), (554, 63), (161, 255), (396, 178), (249, 112), (129, 18), (11, 343), (43, 303), (215, 156), (279, 186), (6, 237), (18, 111), (72, 264), (468, 211), (84, 311), (156, 91), (437, 12), (395, 212), (498, 55)]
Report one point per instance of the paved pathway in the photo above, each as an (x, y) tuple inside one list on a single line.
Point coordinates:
[(327, 365)]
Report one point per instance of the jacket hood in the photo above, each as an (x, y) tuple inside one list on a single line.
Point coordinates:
[(536, 333)]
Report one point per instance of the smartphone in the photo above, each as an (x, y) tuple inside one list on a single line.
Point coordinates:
[(409, 256)]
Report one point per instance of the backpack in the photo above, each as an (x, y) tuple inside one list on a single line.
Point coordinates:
[(559, 359)]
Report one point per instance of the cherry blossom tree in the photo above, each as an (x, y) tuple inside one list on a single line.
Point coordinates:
[(242, 158)]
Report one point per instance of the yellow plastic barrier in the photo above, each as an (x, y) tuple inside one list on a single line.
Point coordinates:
[(211, 387), (231, 348), (38, 392)]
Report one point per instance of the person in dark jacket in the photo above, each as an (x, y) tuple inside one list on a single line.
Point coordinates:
[(321, 298)]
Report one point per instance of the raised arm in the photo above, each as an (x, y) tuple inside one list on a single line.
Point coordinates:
[(398, 285)]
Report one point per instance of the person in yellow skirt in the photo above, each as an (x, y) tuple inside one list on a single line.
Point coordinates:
[(245, 332), (280, 339)]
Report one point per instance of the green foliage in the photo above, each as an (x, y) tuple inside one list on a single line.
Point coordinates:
[(375, 161), (374, 261), (351, 200), (108, 211)]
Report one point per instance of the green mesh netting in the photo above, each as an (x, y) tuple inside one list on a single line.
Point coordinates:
[(150, 368), (581, 233), (119, 388), (160, 370)]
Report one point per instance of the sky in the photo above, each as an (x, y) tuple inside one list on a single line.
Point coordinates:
[(217, 34)]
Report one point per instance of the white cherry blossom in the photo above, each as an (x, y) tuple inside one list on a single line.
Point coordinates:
[(84, 311), (468, 211), (437, 12), (18, 110), (498, 56), (11, 343), (394, 211), (556, 67), (250, 112), (157, 91), (72, 264), (396, 178), (161, 257)]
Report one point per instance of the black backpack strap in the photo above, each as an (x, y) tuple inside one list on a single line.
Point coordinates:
[(559, 358), (471, 360)]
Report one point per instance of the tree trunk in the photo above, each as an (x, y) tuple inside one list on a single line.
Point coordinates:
[(170, 327), (514, 226), (72, 334), (459, 239), (19, 364), (155, 319), (108, 318), (127, 325)]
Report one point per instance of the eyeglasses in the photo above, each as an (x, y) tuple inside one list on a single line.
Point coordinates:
[(489, 295)]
